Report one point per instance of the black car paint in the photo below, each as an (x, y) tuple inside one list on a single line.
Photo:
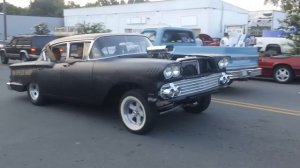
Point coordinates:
[(96, 80)]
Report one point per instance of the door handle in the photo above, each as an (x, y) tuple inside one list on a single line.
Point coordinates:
[(66, 65)]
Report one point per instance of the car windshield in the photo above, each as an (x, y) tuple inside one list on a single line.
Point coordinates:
[(119, 45)]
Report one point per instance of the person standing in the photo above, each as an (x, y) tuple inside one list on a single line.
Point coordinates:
[(225, 40)]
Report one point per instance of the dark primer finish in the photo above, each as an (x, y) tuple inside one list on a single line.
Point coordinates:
[(104, 75)]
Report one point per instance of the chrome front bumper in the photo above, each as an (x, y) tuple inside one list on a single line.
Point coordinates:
[(244, 73), (190, 87)]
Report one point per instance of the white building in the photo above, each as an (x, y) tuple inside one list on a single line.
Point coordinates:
[(265, 20), (205, 16)]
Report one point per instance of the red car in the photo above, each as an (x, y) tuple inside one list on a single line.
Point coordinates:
[(283, 68)]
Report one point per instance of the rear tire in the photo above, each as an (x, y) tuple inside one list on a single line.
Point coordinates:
[(200, 105), (4, 59), (283, 74), (136, 113), (34, 94)]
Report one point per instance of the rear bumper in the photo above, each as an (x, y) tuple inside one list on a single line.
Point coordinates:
[(15, 86), (244, 73)]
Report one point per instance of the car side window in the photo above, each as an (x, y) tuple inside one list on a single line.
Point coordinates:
[(76, 50), (24, 41), (14, 41), (58, 53)]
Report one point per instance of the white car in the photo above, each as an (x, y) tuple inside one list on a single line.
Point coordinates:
[(277, 45)]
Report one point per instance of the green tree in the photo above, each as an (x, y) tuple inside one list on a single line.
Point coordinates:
[(137, 1), (13, 10), (71, 4), (53, 8), (292, 8), (88, 28), (41, 29)]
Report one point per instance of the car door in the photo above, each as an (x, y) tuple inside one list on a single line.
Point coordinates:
[(76, 73), (11, 49), (49, 70)]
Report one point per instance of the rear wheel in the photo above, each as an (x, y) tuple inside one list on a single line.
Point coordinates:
[(34, 94), (136, 113), (201, 104), (283, 74), (4, 59)]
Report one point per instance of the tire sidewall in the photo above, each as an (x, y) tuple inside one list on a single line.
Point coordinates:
[(203, 104), (40, 99), (151, 113), (4, 59)]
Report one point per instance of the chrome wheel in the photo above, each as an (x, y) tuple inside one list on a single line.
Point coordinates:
[(133, 113), (34, 91), (282, 75)]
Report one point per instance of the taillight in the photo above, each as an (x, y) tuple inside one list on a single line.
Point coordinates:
[(33, 50)]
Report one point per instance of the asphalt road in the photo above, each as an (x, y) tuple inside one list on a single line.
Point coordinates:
[(251, 124)]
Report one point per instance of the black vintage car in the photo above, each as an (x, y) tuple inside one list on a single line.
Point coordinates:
[(124, 69)]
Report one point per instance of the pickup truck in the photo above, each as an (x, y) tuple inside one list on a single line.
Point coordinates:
[(243, 61), (274, 45)]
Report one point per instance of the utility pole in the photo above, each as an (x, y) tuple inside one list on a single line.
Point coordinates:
[(4, 20)]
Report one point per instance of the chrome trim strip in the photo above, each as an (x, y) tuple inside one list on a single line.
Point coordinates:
[(249, 73)]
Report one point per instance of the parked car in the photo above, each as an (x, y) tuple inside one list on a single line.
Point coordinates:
[(119, 68), (277, 45), (243, 61), (25, 47), (283, 68), (208, 40)]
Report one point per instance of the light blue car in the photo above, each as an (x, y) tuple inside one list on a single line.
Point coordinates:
[(243, 62)]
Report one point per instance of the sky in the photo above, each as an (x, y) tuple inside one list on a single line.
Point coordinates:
[(250, 5)]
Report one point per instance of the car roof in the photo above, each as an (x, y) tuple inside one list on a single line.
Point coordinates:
[(34, 35), (168, 28), (84, 37)]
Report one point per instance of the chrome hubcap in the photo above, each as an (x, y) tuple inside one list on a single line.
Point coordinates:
[(34, 91), (282, 74), (133, 113)]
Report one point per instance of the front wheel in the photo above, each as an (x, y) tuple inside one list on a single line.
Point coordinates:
[(199, 105), (4, 59), (283, 74), (136, 113), (34, 94)]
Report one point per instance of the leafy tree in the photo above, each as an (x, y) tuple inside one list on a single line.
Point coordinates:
[(53, 8), (88, 28), (71, 4), (292, 21), (137, 1), (13, 10), (41, 29)]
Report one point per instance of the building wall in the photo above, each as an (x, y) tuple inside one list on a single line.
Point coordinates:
[(17, 25), (205, 16)]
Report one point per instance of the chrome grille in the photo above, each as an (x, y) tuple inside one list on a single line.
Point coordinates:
[(189, 86)]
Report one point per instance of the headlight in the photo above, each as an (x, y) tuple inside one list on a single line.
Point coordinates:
[(172, 71), (168, 73), (176, 70), (223, 63)]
